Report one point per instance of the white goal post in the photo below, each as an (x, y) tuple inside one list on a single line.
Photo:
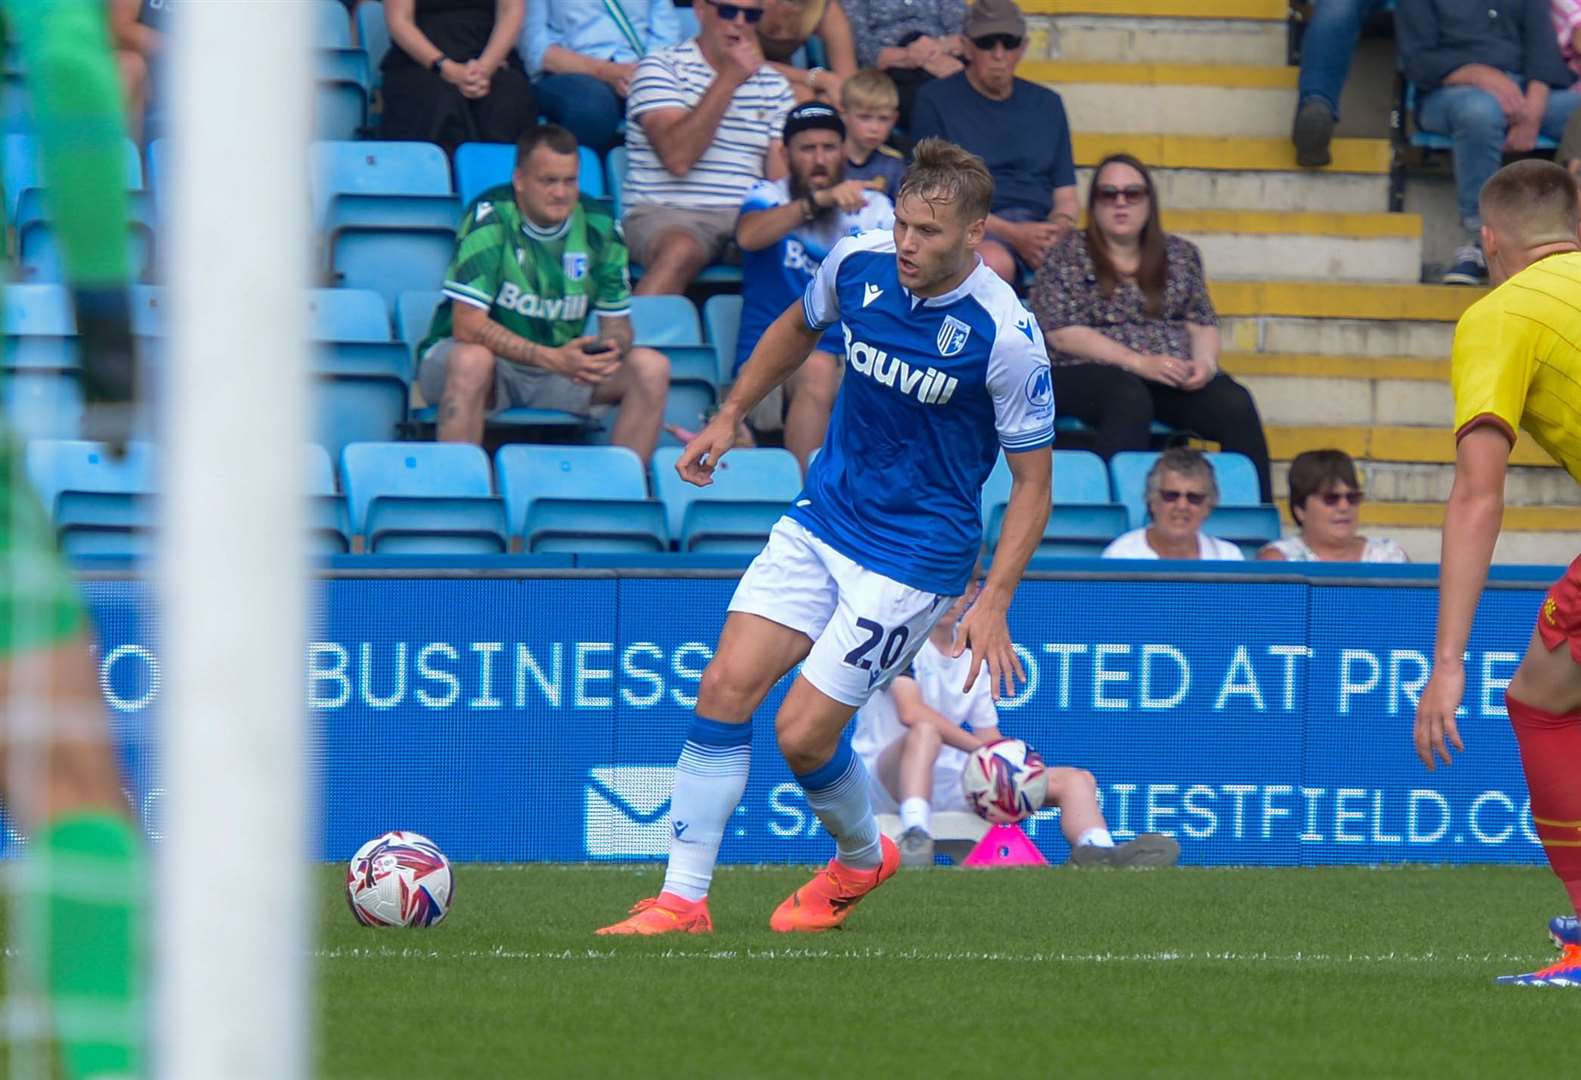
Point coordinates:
[(232, 921)]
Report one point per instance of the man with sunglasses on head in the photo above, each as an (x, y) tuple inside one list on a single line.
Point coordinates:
[(1020, 131), (703, 124)]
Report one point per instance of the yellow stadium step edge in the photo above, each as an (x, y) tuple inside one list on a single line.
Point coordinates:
[(1057, 73), (1224, 153), (1320, 366), (1401, 515), (1431, 445), (1281, 223), (1260, 10), (1328, 300)]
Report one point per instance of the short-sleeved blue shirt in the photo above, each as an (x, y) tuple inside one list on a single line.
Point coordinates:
[(1024, 140)]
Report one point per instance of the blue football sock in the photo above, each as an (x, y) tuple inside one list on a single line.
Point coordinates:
[(709, 780), (837, 793)]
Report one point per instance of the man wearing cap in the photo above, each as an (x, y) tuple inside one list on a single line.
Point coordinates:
[(1019, 130), (785, 230)]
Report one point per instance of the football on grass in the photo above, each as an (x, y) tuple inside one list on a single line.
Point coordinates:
[(1005, 781), (399, 879)]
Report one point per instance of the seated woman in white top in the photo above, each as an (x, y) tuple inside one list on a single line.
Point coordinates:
[(1325, 500), (1181, 492)]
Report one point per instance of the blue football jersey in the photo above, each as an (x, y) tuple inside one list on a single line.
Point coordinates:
[(934, 388), (772, 278)]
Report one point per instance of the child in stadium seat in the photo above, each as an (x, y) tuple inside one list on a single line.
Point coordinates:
[(1181, 492), (1325, 500), (915, 735), (870, 105)]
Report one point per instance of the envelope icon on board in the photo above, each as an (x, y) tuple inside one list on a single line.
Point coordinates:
[(628, 812)]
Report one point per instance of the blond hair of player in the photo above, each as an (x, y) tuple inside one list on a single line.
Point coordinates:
[(1516, 365)]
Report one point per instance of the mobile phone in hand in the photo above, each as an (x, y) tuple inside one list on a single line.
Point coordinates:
[(593, 348)]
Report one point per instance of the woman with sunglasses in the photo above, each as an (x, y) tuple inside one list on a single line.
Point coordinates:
[(1181, 492), (1325, 500), (1131, 331)]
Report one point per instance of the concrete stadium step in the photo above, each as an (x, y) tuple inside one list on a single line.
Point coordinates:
[(1213, 31), (1298, 389), (1259, 245), (1200, 99), (1211, 173), (1340, 319)]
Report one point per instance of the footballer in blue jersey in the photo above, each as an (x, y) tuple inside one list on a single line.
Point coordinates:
[(946, 370)]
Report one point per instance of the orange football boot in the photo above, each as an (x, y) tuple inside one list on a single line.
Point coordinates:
[(664, 914), (825, 901)]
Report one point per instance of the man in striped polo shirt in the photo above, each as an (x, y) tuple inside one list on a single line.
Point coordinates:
[(703, 125)]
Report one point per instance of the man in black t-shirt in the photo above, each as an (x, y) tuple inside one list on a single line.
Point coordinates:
[(1019, 130)]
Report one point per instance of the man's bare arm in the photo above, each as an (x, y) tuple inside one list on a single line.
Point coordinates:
[(617, 328)]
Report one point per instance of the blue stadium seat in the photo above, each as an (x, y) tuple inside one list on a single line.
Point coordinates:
[(43, 404), (38, 255), (750, 490), (1248, 526), (580, 499), (722, 317), (414, 314), (1082, 520), (388, 213), (1080, 478), (38, 310), (40, 330), (1237, 478), (16, 113), (665, 320), (21, 174), (340, 93), (148, 310), (346, 315), (480, 166), (331, 25), (159, 165), (1235, 473), (373, 34), (100, 506), (615, 173), (423, 498), (329, 522), (362, 375)]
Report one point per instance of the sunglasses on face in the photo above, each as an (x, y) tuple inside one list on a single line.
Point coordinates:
[(988, 41), (1171, 495), (731, 12), (1334, 498), (1131, 193)]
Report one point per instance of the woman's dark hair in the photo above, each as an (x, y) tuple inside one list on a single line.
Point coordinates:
[(1150, 275), (1314, 472)]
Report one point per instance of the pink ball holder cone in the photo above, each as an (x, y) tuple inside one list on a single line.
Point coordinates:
[(1005, 845)]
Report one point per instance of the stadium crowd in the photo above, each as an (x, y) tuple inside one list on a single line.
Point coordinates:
[(752, 136)]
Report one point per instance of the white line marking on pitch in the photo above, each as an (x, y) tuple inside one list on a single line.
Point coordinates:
[(501, 953)]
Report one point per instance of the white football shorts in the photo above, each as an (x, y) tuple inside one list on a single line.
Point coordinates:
[(865, 627)]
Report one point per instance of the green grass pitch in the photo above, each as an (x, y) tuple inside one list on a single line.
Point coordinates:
[(1059, 973)]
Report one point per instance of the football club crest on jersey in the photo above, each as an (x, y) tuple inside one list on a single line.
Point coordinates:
[(575, 264), (952, 336), (1040, 389)]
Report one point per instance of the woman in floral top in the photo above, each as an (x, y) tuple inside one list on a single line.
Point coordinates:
[(1131, 331)]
